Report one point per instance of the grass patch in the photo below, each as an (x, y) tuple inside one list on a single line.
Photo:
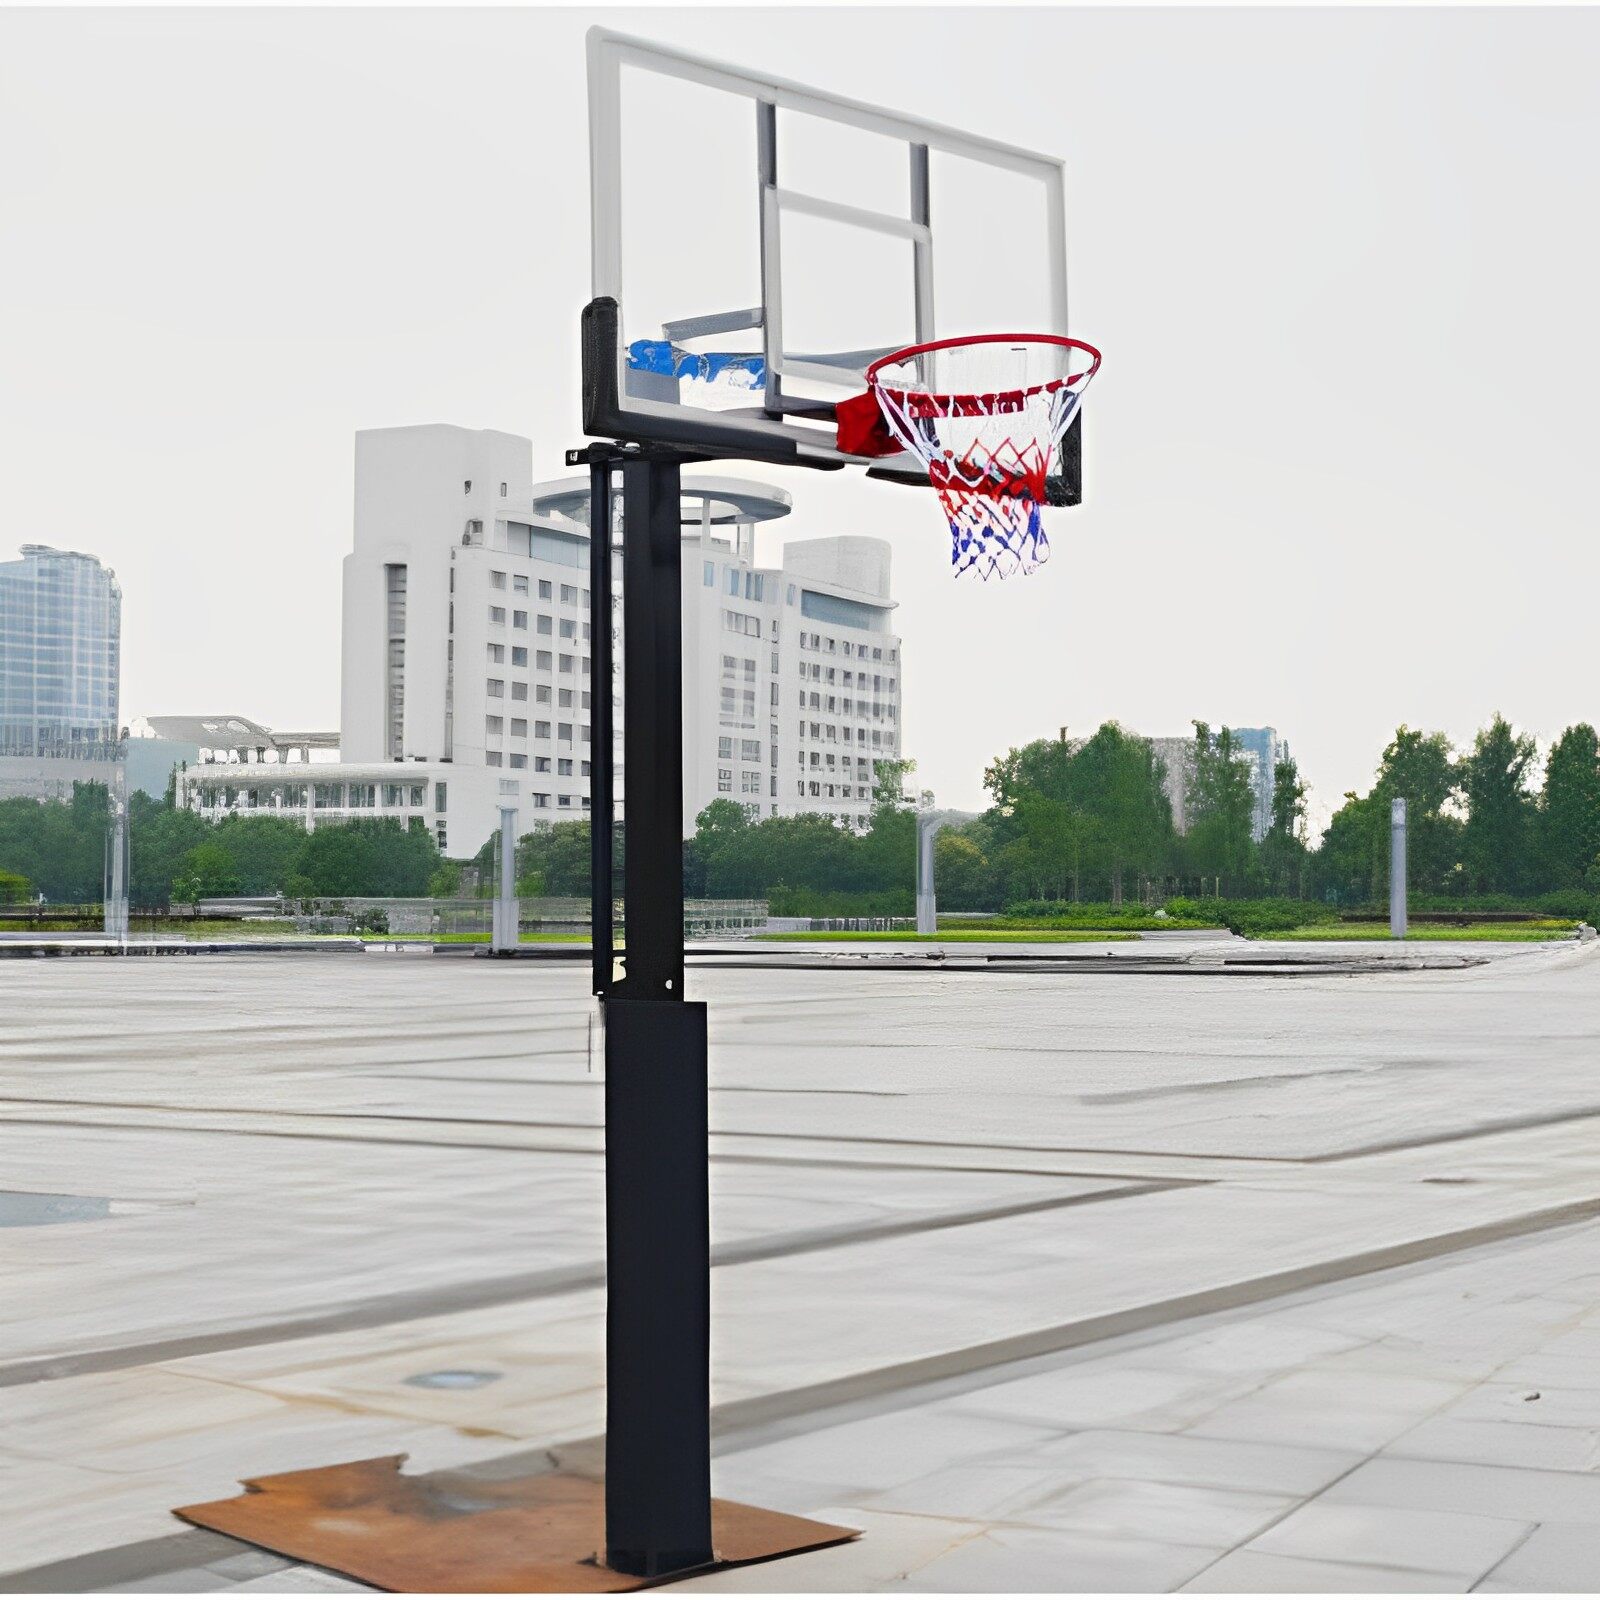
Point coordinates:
[(963, 936), (1488, 932)]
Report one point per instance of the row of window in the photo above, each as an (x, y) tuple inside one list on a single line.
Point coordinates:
[(830, 646), (571, 595), (833, 791), (829, 731), (494, 727), (749, 782), (884, 709), (519, 620), (852, 680), (546, 626), (324, 796), (495, 689)]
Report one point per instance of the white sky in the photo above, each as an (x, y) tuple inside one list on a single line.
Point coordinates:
[(1343, 265)]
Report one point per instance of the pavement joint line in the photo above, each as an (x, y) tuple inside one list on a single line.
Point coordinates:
[(1388, 1147), (812, 1406), (757, 1410), (417, 1304), (594, 1152)]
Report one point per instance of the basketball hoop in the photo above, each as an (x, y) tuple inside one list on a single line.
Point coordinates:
[(985, 415)]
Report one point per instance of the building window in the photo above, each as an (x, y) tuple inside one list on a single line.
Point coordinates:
[(502, 491), (543, 660), (749, 749), (708, 574), (393, 796), (497, 652), (569, 594), (519, 655), (566, 663), (564, 732), (544, 594), (518, 760), (327, 796), (519, 728), (395, 685), (724, 780), (541, 802), (541, 763), (466, 488), (497, 688), (725, 749), (419, 795), (569, 628), (519, 691), (493, 727), (541, 693), (564, 767), (565, 697), (519, 619), (546, 626), (497, 616), (497, 580), (541, 730), (519, 584), (491, 758), (439, 796)]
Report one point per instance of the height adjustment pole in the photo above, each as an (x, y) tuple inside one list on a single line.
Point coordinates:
[(658, 1223)]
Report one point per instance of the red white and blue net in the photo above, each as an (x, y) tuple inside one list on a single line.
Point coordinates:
[(986, 416)]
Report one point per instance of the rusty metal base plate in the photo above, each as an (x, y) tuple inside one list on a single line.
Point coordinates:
[(448, 1532)]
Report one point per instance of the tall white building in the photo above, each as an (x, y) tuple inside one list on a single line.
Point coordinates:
[(466, 663), (60, 673), (792, 677)]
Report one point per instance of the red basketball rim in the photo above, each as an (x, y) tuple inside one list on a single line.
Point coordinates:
[(987, 338)]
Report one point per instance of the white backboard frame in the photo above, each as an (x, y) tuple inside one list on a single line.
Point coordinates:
[(804, 422)]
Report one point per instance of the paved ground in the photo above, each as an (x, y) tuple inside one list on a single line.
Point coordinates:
[(1084, 1279)]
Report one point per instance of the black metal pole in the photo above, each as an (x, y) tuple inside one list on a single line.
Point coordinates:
[(601, 807), (652, 757), (658, 1227)]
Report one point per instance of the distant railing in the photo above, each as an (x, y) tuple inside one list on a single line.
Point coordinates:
[(420, 915)]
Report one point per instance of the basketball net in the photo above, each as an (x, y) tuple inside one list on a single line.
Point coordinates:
[(985, 415)]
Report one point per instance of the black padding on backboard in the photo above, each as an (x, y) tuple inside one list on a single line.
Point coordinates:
[(1064, 487)]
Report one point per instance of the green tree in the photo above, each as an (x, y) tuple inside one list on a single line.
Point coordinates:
[(1283, 851), (1222, 807), (209, 869), (14, 888), (266, 850), (1569, 813), (1496, 845), (962, 877), (1114, 782), (1422, 769), (890, 779), (554, 861)]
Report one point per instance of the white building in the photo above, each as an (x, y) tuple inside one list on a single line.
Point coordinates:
[(60, 673), (792, 677), (466, 667)]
